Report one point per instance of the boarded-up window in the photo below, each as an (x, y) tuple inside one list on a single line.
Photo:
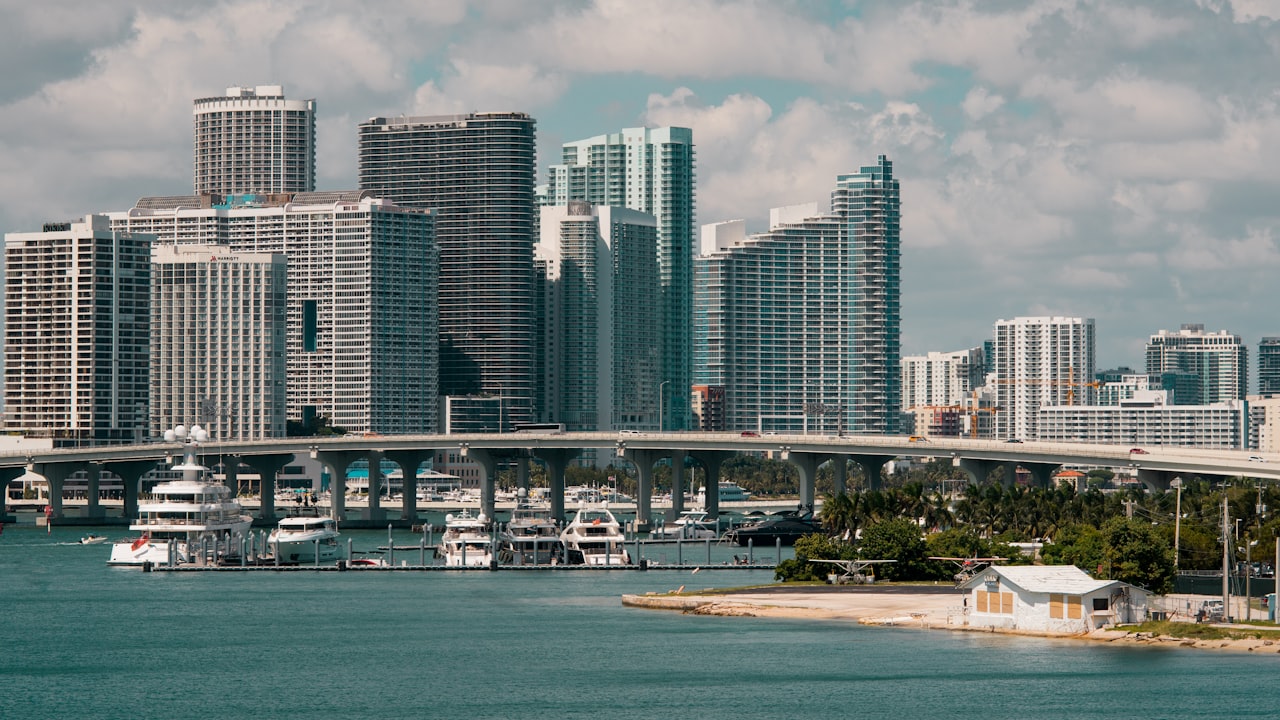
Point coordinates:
[(1055, 606), (1006, 603), (1074, 607), (994, 602), (980, 601)]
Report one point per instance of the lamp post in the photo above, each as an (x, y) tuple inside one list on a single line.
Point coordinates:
[(1177, 520), (662, 396)]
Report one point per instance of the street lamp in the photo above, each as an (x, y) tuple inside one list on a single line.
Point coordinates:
[(662, 396), (1176, 483)]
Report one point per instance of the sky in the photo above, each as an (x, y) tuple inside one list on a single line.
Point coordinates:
[(1112, 160)]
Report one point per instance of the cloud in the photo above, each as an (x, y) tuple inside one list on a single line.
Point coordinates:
[(469, 87)]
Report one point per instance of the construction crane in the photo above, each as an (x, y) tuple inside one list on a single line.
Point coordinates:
[(1070, 384)]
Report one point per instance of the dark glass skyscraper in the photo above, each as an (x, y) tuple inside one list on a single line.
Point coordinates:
[(1269, 366), (476, 172)]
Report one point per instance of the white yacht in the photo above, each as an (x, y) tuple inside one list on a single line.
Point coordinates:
[(185, 516), (730, 491), (691, 525), (530, 537), (305, 540), (594, 537), (466, 541)]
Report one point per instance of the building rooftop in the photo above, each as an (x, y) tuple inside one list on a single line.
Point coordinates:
[(1066, 579)]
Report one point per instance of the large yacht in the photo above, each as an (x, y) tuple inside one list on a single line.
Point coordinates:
[(730, 491), (594, 537), (691, 525), (305, 540), (184, 518), (530, 537), (466, 541)]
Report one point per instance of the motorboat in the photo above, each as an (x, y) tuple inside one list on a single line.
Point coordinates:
[(691, 525), (93, 539), (466, 541), (305, 539), (774, 528), (729, 490), (183, 519), (531, 537), (594, 537)]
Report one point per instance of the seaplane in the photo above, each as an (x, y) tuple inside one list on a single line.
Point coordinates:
[(970, 566), (852, 571)]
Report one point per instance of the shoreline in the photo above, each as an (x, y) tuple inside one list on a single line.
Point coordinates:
[(927, 609)]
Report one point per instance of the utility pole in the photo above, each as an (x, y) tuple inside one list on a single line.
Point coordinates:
[(1177, 521), (1226, 557)]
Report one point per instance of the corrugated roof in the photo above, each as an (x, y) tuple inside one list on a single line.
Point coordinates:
[(1066, 579)]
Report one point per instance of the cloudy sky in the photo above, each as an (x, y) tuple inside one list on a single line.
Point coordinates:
[(1113, 160)]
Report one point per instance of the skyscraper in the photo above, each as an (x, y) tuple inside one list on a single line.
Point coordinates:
[(650, 170), (254, 140), (1040, 361), (1269, 366), (361, 324), (1219, 359), (941, 378), (603, 358), (218, 341), (77, 323), (476, 173)]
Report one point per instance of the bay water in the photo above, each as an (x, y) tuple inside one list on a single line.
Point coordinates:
[(79, 639)]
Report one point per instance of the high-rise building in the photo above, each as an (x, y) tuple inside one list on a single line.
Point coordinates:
[(361, 328), (1040, 361), (1269, 366), (603, 357), (254, 140), (797, 323), (650, 170), (938, 378), (218, 341), (1147, 420), (869, 204), (475, 173), (77, 323), (1219, 359)]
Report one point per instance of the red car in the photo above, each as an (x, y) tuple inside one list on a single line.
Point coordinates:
[(750, 433), (1138, 451)]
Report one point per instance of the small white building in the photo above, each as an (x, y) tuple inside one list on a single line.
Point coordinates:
[(1049, 599)]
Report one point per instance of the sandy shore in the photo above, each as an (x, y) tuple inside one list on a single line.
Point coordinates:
[(899, 606)]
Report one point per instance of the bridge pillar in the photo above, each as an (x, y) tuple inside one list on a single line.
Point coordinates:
[(1041, 473), (56, 475), (644, 461), (839, 474), (8, 475), (807, 464), (488, 471), (872, 465), (677, 483), (979, 471), (557, 460), (711, 460), (231, 474), (1155, 479), (337, 462), (409, 462), (267, 467), (130, 473), (373, 512), (522, 473)]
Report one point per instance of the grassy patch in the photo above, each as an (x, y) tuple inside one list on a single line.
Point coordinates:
[(1192, 631)]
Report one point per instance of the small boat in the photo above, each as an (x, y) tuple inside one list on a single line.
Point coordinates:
[(367, 562), (530, 537), (93, 539), (305, 539), (691, 525), (594, 537), (466, 541), (774, 528)]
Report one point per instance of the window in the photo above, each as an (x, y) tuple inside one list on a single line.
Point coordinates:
[(1067, 606), (1000, 603)]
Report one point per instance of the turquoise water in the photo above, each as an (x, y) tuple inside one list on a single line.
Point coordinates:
[(81, 640)]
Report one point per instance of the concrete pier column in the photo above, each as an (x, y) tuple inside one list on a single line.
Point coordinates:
[(979, 471), (522, 473), (839, 474), (409, 462), (56, 475), (8, 475), (1156, 479), (93, 493), (1041, 473), (130, 473), (644, 461), (677, 483), (267, 467), (336, 463), (711, 460), (807, 464), (872, 465), (231, 473), (557, 461), (1010, 474), (373, 511), (488, 471)]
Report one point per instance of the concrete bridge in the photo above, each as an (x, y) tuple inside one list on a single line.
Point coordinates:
[(1155, 466)]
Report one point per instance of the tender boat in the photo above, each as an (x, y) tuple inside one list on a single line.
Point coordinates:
[(305, 540), (530, 537), (184, 517), (691, 525), (594, 537), (93, 540), (466, 541)]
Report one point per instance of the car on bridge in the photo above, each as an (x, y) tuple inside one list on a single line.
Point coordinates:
[(1257, 458), (1138, 451), (750, 433)]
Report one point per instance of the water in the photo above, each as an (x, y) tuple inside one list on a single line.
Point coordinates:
[(81, 640)]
